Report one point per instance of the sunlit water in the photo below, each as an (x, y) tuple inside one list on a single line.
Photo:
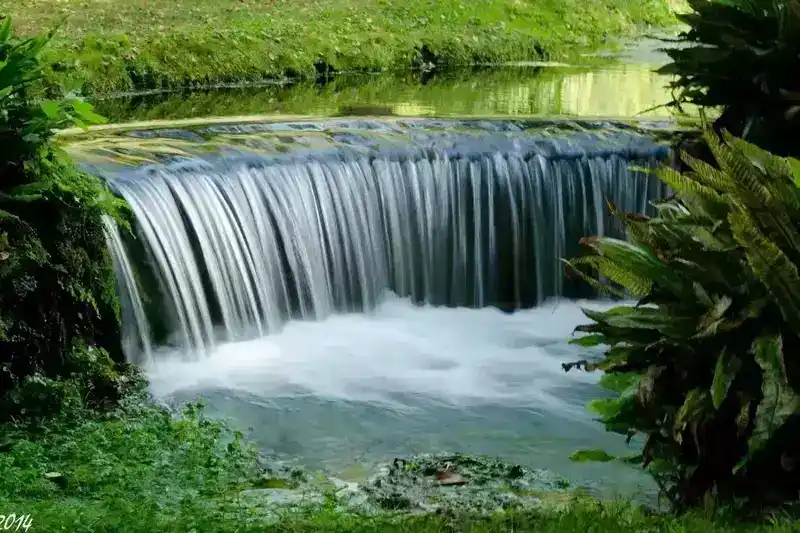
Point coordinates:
[(616, 91), (355, 390)]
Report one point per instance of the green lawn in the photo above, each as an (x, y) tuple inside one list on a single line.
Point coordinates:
[(578, 518), (123, 45)]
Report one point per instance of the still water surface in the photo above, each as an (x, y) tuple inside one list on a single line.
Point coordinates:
[(611, 91)]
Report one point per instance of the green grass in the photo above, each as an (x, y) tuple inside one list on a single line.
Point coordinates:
[(109, 46), (139, 469), (579, 518)]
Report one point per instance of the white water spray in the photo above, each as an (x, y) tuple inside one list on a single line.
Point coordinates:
[(238, 247)]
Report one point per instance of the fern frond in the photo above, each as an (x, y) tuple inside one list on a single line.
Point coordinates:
[(770, 266), (637, 285), (687, 187), (641, 233), (636, 259), (747, 179), (708, 175), (602, 288), (772, 167)]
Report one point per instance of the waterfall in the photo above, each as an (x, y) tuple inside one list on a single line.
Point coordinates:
[(230, 248)]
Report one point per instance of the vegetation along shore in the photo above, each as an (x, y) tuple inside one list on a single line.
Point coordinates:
[(117, 46)]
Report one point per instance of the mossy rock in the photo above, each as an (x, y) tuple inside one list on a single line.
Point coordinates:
[(457, 483)]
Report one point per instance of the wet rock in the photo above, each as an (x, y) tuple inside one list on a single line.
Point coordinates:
[(455, 483), (442, 483), (275, 467), (450, 478), (349, 493)]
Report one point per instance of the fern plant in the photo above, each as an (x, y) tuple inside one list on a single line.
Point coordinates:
[(706, 363), (742, 56)]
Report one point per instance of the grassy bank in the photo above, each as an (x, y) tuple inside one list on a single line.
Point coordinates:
[(107, 46), (141, 469)]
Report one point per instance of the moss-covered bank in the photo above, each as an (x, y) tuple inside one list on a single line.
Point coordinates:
[(117, 45), (57, 287)]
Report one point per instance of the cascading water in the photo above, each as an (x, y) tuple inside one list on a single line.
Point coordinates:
[(263, 260), (230, 248)]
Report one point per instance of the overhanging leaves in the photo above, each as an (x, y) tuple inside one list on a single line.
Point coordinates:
[(718, 269)]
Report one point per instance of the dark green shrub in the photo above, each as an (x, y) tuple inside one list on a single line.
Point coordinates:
[(90, 381), (56, 282), (743, 56), (707, 362)]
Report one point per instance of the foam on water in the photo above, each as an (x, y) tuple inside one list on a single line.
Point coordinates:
[(458, 357), (232, 248), (355, 390)]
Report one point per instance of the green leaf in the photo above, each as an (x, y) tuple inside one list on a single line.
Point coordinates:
[(724, 374), (5, 215), (5, 30), (620, 382), (694, 407), (795, 166), (644, 318), (51, 109), (743, 418), (80, 123), (642, 265), (593, 455), (588, 341), (30, 189), (85, 111), (605, 407), (780, 401)]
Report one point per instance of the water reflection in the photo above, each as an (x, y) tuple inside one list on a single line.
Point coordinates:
[(620, 91)]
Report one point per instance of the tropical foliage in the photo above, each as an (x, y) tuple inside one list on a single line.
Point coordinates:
[(742, 56), (706, 363), (56, 285)]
